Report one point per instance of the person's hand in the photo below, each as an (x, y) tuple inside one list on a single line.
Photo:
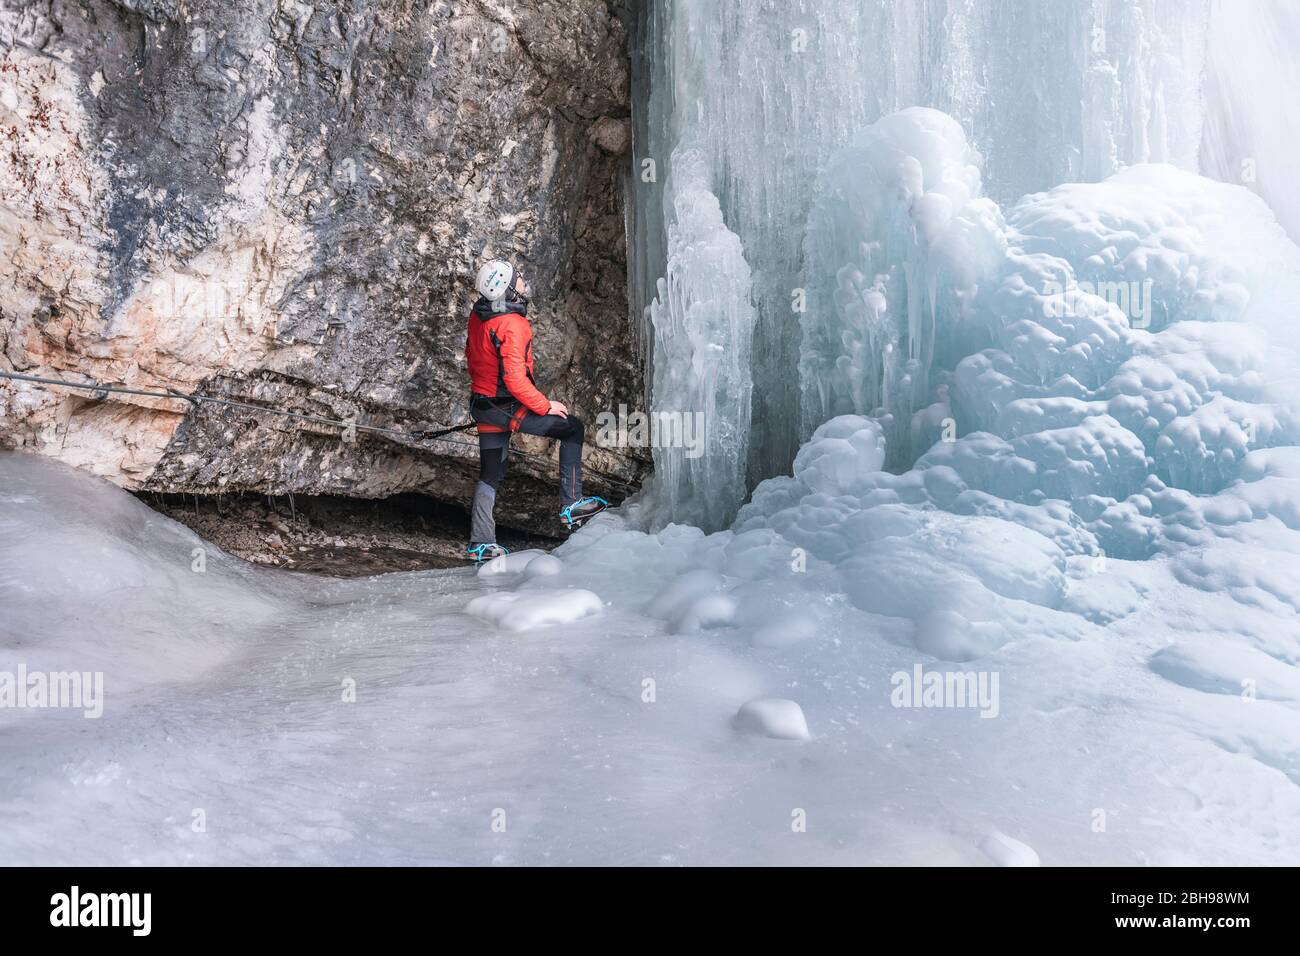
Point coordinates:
[(558, 409)]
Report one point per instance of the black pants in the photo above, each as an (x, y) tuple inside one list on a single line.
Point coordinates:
[(494, 450)]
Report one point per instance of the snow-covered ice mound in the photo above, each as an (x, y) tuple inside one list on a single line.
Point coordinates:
[(1008, 851), (516, 562), (523, 611), (94, 580), (773, 717)]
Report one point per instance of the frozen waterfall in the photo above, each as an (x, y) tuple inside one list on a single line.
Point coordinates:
[(771, 100)]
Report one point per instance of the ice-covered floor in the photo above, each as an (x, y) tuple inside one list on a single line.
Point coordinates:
[(224, 693)]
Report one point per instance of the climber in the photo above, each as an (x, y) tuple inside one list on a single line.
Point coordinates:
[(505, 399)]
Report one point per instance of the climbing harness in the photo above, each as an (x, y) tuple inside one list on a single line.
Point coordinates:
[(515, 415)]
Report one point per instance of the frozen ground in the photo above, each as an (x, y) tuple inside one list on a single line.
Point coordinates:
[(224, 693)]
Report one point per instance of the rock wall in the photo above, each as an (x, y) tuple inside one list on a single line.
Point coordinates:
[(284, 203)]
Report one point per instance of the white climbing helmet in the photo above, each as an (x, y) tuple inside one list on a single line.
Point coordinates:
[(494, 278)]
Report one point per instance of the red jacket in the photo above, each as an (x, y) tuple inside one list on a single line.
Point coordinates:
[(499, 352)]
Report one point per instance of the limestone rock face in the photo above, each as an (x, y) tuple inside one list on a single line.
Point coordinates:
[(285, 202)]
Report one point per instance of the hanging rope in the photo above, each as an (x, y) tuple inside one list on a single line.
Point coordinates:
[(101, 391)]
